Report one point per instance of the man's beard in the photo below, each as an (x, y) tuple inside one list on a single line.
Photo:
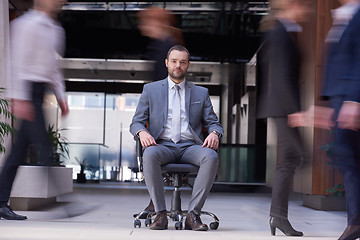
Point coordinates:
[(178, 77)]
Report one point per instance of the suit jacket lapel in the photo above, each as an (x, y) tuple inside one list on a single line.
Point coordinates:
[(187, 99), (164, 98)]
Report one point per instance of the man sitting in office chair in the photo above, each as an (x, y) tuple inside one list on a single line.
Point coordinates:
[(176, 111)]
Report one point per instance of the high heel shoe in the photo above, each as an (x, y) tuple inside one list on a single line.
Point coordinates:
[(284, 226)]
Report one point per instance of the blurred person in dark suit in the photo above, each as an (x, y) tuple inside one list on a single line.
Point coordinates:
[(36, 39), (280, 99), (342, 89), (158, 24)]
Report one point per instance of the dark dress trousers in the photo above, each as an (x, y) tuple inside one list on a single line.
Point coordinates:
[(279, 97)]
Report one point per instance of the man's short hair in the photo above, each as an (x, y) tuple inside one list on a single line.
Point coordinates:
[(180, 48)]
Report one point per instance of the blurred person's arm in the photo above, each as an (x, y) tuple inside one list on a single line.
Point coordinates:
[(349, 114), (64, 107), (315, 116), (58, 86), (58, 83), (23, 109), (296, 119)]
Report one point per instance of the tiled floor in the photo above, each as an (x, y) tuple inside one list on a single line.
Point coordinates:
[(242, 216)]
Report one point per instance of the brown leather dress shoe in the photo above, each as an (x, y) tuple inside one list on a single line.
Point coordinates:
[(160, 221), (193, 222), (352, 232)]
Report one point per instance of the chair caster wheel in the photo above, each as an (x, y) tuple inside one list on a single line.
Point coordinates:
[(137, 223), (147, 222), (214, 225), (178, 225)]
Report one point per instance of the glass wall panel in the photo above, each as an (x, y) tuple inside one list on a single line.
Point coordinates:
[(87, 154), (118, 157), (85, 122)]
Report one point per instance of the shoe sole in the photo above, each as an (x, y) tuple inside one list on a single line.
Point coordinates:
[(158, 228), (197, 229), (19, 219)]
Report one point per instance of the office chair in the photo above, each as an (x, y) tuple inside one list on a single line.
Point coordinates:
[(175, 172)]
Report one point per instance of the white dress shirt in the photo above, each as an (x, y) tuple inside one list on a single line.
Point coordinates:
[(341, 18), (290, 25), (36, 41), (185, 132)]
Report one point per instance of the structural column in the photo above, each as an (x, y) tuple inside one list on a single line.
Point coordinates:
[(4, 50), (316, 176)]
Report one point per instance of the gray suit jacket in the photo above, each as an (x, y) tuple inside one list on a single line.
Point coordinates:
[(153, 107)]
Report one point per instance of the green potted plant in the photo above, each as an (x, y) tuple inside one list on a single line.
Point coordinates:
[(60, 147), (81, 176), (5, 128)]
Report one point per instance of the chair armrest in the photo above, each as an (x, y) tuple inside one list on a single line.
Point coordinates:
[(139, 153)]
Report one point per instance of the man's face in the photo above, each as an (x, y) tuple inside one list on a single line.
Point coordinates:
[(51, 6), (150, 27), (177, 64), (303, 10)]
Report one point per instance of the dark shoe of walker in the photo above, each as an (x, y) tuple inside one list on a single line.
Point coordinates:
[(7, 213), (352, 232), (193, 222), (284, 226), (160, 221)]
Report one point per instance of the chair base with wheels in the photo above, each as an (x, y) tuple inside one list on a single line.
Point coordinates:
[(175, 172)]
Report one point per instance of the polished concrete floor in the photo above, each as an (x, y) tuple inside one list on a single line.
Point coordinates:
[(243, 215)]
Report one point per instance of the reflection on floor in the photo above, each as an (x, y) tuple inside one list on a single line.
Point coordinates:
[(243, 215)]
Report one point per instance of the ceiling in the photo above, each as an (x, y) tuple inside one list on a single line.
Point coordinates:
[(108, 29)]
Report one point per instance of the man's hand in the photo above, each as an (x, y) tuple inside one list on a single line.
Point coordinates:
[(146, 139), (212, 141), (23, 110), (317, 116), (321, 117), (349, 116), (296, 119), (64, 108)]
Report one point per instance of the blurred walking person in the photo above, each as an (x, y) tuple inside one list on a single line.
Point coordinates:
[(159, 25), (342, 89), (280, 99), (36, 39)]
